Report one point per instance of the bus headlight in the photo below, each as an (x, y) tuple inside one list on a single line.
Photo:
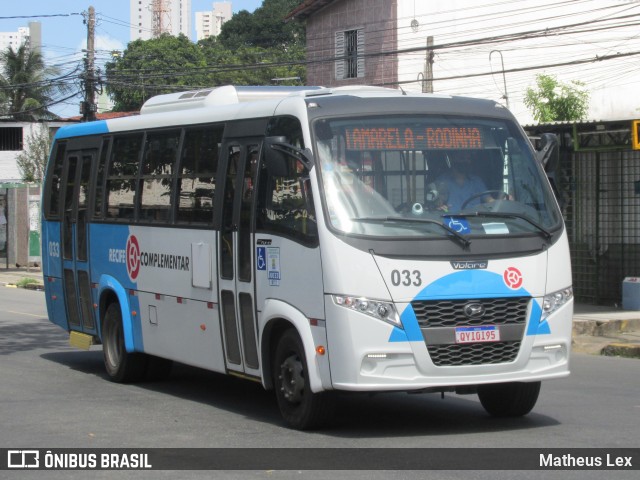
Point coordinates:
[(384, 311), (553, 301)]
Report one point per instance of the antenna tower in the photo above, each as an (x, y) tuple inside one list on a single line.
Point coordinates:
[(160, 17)]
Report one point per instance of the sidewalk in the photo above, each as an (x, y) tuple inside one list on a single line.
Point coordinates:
[(606, 331), (597, 330)]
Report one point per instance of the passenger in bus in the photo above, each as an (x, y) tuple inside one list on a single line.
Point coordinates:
[(459, 185)]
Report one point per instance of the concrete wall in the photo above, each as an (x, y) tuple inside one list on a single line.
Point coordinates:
[(15, 200)]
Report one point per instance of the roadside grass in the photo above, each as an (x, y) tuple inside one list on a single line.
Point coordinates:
[(23, 282)]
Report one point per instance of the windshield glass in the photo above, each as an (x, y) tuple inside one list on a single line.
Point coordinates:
[(407, 175)]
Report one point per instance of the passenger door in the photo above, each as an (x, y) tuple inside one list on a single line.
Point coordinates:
[(75, 240), (235, 261)]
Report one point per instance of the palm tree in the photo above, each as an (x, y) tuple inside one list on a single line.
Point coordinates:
[(25, 90)]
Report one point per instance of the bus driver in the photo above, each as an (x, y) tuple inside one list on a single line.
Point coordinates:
[(458, 184)]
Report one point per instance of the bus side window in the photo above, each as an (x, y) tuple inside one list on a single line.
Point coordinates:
[(54, 180), (196, 174), (156, 176), (285, 204), (99, 188), (122, 177)]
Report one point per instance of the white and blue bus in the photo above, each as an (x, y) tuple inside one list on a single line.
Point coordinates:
[(310, 239)]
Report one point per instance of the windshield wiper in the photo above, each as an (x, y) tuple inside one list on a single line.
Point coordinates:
[(465, 242), (545, 233)]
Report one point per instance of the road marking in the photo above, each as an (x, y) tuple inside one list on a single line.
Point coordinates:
[(23, 313)]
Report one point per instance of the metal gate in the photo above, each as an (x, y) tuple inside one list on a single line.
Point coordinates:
[(602, 211)]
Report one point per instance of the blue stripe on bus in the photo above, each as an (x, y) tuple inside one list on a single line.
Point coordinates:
[(131, 327), (82, 129), (476, 284)]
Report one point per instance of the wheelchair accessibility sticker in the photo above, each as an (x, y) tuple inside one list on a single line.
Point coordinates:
[(261, 258), (460, 225)]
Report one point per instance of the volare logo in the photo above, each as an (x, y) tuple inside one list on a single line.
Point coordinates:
[(470, 265), (23, 459)]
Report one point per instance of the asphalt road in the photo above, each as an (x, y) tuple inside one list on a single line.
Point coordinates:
[(53, 396)]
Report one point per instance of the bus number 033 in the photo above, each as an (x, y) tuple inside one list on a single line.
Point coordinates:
[(406, 278)]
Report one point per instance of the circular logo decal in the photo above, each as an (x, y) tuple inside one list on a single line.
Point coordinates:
[(133, 257), (512, 278)]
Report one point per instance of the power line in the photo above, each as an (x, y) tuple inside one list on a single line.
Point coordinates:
[(41, 16), (524, 69)]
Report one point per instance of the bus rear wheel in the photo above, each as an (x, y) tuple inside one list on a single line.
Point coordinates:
[(509, 399), (300, 407), (121, 366)]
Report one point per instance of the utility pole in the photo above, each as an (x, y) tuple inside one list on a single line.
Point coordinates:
[(427, 85), (88, 107)]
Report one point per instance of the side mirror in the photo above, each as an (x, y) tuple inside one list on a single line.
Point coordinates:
[(276, 159), (278, 155), (548, 155)]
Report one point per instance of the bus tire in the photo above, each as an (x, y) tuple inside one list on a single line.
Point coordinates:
[(509, 399), (300, 407), (121, 366)]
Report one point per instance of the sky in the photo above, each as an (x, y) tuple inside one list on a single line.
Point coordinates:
[(64, 34)]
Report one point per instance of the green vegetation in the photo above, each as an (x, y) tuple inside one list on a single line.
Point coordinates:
[(27, 88), (32, 160), (552, 100), (23, 282), (253, 49)]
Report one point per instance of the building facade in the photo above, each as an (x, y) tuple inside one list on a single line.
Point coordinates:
[(480, 49), (209, 24), (151, 18), (347, 41), (31, 36)]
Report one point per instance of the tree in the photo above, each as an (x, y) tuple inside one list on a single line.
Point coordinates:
[(248, 65), (27, 89), (552, 100), (265, 27), (256, 49), (33, 159), (150, 67)]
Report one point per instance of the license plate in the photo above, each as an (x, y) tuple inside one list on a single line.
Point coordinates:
[(488, 333)]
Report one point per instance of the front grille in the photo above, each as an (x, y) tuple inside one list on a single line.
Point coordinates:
[(450, 313), (473, 354)]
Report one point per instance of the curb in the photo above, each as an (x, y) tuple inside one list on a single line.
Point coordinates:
[(30, 286), (621, 350), (600, 328)]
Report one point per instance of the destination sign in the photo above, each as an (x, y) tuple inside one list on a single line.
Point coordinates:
[(410, 138)]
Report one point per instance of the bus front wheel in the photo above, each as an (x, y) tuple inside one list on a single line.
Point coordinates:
[(509, 399), (121, 366), (300, 407)]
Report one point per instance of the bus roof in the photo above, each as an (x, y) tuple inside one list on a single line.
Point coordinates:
[(235, 102)]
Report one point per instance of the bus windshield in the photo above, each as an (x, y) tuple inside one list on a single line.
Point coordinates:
[(408, 175)]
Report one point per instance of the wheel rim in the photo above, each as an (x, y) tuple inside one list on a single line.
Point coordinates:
[(292, 381)]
